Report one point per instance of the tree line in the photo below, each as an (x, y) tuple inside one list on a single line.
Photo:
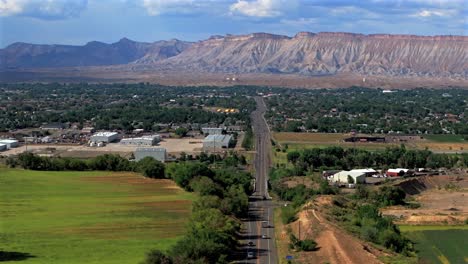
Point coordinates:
[(346, 159)]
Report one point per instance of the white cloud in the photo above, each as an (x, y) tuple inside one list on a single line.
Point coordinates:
[(10, 7), (44, 9), (434, 13), (353, 10), (301, 22), (262, 8), (158, 7)]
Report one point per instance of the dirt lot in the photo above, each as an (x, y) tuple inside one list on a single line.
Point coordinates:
[(172, 145), (309, 137), (443, 200), (335, 245)]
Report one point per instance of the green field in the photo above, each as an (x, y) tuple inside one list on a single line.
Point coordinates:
[(439, 244), (87, 217), (445, 138)]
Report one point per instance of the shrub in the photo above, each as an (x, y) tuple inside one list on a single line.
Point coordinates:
[(288, 214), (369, 233), (391, 240), (307, 245), (156, 257), (301, 245)]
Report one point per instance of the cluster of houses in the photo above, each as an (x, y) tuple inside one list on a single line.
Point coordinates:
[(351, 177)]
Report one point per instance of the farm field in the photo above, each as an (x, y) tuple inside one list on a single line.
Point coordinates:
[(445, 138), (436, 143), (88, 217), (439, 244)]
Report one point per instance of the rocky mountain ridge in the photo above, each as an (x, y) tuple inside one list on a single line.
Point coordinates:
[(306, 53)]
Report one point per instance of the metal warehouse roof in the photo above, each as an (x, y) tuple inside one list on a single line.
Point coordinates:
[(352, 173), (218, 138), (365, 170), (105, 134), (8, 141)]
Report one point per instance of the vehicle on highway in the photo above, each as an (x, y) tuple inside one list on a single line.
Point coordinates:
[(264, 236), (251, 244), (250, 254), (265, 224)]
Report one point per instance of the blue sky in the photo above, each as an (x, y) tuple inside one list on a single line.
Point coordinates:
[(80, 21)]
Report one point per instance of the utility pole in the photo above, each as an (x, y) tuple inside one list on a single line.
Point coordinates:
[(214, 144), (299, 222)]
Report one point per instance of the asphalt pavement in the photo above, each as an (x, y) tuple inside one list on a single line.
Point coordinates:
[(259, 225)]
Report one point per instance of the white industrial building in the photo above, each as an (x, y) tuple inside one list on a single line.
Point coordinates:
[(216, 142), (368, 172), (358, 176), (104, 137), (212, 130), (3, 147), (156, 153), (10, 143), (150, 140)]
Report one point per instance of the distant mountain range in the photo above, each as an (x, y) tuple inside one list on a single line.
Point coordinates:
[(306, 54)]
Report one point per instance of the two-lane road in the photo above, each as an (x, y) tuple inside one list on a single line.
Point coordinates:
[(259, 224)]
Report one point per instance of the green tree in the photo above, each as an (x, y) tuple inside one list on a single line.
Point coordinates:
[(181, 131), (293, 156), (204, 186), (151, 168), (210, 237), (390, 195)]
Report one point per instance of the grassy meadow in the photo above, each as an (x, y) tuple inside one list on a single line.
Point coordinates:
[(445, 138), (439, 244), (87, 217)]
